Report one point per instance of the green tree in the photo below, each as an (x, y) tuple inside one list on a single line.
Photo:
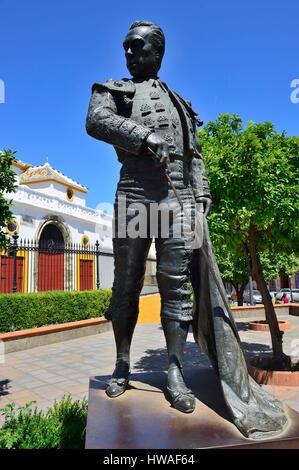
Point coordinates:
[(7, 185), (233, 265), (254, 176), (279, 264)]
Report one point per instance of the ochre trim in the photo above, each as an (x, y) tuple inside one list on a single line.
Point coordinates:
[(70, 199), (149, 308), (56, 181), (77, 272), (82, 238), (21, 166), (17, 229), (24, 254)]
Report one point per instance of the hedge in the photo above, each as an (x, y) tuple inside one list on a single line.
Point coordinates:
[(22, 311)]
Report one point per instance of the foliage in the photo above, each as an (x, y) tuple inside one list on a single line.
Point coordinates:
[(61, 427), (20, 311), (253, 173), (7, 185), (279, 264), (235, 203), (233, 264)]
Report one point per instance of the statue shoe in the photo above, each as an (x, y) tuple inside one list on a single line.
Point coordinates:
[(183, 401), (116, 387)]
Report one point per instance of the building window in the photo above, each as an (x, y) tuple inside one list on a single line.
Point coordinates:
[(85, 241), (297, 280), (69, 194), (12, 227)]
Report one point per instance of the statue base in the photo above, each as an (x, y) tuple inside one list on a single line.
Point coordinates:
[(142, 418)]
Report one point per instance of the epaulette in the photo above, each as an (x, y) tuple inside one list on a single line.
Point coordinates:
[(124, 86)]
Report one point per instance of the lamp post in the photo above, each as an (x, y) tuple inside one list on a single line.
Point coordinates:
[(291, 290)]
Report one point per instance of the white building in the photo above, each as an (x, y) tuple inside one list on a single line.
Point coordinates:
[(44, 194), (57, 235), (50, 208)]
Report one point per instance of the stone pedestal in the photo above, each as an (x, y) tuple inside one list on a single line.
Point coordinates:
[(142, 418)]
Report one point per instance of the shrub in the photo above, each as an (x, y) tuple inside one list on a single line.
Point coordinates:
[(62, 427), (21, 311)]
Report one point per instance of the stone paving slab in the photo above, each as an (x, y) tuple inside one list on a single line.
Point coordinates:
[(47, 372)]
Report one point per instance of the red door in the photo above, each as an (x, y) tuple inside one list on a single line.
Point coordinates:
[(7, 274), (50, 271), (86, 280)]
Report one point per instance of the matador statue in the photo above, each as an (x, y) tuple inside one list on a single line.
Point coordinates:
[(151, 127)]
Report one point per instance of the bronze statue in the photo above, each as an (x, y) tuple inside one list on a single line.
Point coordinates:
[(152, 126)]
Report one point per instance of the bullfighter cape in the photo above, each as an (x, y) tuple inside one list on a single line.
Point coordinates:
[(254, 411)]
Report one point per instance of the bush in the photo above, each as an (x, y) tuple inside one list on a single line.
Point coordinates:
[(62, 427), (21, 311)]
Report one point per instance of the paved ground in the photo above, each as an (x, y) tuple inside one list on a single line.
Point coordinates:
[(49, 372)]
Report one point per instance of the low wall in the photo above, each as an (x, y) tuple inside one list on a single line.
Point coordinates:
[(149, 312), (294, 309), (258, 311), (31, 338), (149, 307)]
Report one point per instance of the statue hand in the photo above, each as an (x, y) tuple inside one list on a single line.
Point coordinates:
[(207, 202), (159, 147)]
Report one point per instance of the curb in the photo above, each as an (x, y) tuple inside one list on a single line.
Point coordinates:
[(262, 325), (41, 336), (272, 377)]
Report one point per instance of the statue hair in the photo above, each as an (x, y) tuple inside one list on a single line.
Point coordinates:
[(157, 35)]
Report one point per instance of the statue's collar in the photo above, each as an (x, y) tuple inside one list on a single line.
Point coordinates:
[(154, 82)]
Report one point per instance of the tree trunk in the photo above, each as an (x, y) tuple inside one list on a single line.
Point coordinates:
[(279, 357), (239, 292)]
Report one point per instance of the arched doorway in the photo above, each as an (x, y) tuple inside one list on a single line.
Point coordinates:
[(51, 259)]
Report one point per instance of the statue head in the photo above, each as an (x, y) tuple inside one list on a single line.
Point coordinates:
[(144, 49)]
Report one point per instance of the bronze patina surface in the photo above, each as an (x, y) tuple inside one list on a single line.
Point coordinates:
[(143, 419)]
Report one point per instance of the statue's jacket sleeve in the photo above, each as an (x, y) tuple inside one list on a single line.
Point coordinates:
[(106, 117), (199, 180)]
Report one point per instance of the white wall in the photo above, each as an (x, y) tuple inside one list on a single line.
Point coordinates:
[(106, 271), (33, 204), (54, 189), (31, 208), (17, 171)]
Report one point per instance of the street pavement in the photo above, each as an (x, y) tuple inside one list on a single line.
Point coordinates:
[(46, 373)]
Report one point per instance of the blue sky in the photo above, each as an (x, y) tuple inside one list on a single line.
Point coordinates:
[(232, 56)]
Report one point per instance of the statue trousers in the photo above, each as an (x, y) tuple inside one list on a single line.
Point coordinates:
[(146, 208)]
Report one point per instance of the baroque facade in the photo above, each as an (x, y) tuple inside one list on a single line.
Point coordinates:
[(62, 243), (49, 211)]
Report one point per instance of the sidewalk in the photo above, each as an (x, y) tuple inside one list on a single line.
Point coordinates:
[(46, 373)]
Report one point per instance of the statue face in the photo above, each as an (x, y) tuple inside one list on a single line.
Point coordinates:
[(143, 59)]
